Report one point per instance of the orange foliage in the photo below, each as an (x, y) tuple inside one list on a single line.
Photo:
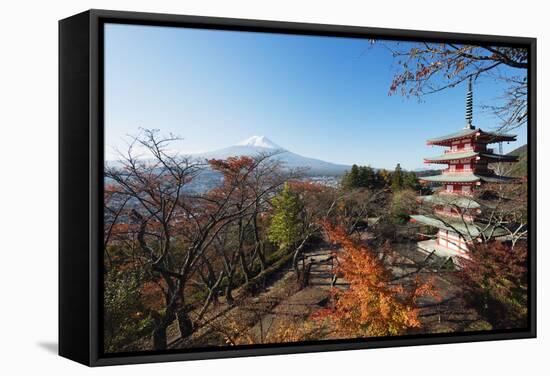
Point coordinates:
[(374, 305), (235, 171), (233, 167)]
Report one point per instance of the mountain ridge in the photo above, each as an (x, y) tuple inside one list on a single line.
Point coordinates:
[(256, 145)]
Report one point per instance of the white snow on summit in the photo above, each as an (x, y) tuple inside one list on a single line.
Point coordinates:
[(256, 145), (259, 141)]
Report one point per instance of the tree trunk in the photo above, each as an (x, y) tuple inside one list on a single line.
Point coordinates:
[(229, 288), (260, 248), (242, 256), (229, 295), (298, 253), (304, 275), (261, 255), (159, 338), (244, 266), (184, 323)]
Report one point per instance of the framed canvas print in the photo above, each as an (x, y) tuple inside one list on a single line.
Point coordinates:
[(239, 187)]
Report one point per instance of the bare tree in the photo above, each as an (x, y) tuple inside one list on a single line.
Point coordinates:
[(113, 205), (495, 211), (426, 68), (154, 187), (186, 238)]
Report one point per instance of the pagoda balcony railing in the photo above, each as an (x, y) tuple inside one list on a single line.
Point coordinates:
[(443, 191), (455, 171), (460, 150)]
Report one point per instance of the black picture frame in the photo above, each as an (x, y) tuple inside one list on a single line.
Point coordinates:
[(81, 183)]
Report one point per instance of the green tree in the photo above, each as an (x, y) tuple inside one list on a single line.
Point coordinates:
[(366, 177), (410, 181), (397, 179), (403, 203), (360, 177), (351, 179), (124, 317), (284, 228)]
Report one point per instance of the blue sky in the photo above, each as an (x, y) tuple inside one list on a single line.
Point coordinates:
[(321, 97)]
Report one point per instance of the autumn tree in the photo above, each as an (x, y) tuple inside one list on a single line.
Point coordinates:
[(176, 228), (383, 177), (426, 68), (495, 276), (235, 172), (251, 181), (265, 180), (156, 186), (375, 304), (318, 204), (354, 208)]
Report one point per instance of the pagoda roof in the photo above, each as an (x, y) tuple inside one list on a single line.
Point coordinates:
[(469, 155), (490, 137), (462, 177), (464, 228), (450, 199)]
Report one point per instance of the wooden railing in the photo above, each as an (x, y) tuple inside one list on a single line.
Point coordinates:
[(460, 150)]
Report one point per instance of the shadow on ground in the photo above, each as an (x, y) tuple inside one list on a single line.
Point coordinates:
[(50, 347)]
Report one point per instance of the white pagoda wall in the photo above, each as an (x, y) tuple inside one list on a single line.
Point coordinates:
[(452, 241)]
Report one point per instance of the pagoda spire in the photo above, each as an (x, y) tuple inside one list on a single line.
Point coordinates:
[(469, 105)]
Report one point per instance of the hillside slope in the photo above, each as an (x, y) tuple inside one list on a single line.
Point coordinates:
[(520, 168)]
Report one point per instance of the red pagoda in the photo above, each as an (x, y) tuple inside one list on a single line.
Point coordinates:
[(468, 161)]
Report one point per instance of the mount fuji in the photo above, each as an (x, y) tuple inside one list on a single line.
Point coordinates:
[(260, 144)]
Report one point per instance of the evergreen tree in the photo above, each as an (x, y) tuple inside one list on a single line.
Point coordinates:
[(362, 180), (410, 180), (351, 179), (360, 177), (366, 177), (345, 182), (284, 228), (397, 179)]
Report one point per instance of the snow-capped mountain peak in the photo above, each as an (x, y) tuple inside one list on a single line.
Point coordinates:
[(257, 145), (259, 141)]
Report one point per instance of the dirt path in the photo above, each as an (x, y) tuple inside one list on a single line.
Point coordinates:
[(297, 307), (277, 304), (449, 312), (280, 303)]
